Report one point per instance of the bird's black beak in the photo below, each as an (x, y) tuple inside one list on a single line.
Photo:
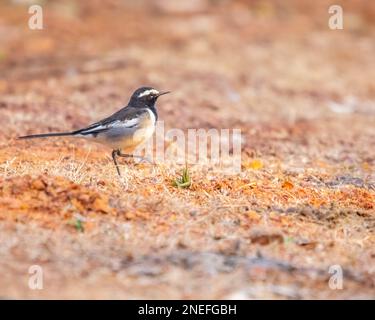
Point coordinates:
[(162, 93)]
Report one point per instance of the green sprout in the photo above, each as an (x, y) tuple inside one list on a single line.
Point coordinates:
[(184, 181), (78, 224)]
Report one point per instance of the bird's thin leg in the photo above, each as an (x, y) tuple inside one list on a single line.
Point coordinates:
[(124, 155), (114, 153)]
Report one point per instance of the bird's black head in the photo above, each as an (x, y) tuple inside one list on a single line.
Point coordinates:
[(145, 97)]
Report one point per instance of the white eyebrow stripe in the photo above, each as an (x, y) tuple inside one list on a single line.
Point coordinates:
[(147, 92)]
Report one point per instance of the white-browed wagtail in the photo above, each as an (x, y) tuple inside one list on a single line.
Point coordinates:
[(124, 130)]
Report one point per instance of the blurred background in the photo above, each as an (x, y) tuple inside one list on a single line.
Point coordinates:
[(302, 94), (279, 58)]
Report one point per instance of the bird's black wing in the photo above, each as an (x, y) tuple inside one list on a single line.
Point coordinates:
[(127, 117)]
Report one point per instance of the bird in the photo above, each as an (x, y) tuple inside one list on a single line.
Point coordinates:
[(125, 129)]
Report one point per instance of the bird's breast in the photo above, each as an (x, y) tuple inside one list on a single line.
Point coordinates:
[(127, 139), (145, 129)]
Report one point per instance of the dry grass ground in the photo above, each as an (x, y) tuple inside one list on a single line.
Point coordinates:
[(302, 94)]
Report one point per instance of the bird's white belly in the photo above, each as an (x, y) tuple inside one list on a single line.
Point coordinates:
[(127, 139), (139, 137)]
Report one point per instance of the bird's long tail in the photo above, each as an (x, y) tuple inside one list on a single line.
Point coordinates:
[(45, 135)]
